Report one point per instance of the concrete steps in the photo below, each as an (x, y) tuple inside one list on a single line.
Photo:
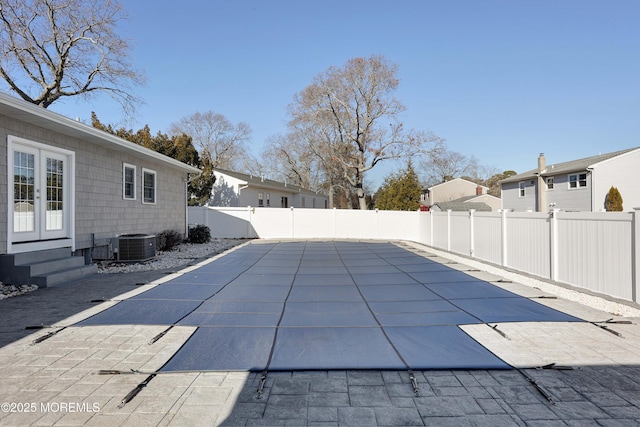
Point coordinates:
[(43, 268)]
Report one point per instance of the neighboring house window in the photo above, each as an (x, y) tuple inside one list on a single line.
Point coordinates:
[(148, 186), (578, 180), (303, 201), (128, 181), (314, 202), (549, 183), (521, 185), (268, 200), (260, 200), (284, 202)]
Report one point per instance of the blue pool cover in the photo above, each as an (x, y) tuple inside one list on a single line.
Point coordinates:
[(327, 305)]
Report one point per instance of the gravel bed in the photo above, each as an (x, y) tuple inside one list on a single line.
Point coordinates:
[(179, 256), (8, 291)]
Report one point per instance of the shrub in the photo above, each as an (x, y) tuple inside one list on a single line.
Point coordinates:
[(613, 200), (167, 240), (199, 234)]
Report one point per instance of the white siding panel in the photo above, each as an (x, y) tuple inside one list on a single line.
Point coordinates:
[(621, 172), (594, 252)]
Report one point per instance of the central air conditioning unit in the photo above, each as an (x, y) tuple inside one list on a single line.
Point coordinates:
[(136, 247)]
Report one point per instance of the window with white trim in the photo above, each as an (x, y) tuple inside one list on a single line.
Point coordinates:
[(521, 188), (268, 200), (578, 180), (260, 200), (550, 183), (148, 186), (128, 181)]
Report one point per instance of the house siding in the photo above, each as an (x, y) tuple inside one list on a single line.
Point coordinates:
[(511, 196), (621, 172), (99, 206), (569, 199), (451, 190), (228, 191)]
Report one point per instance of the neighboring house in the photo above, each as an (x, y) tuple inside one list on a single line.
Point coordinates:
[(578, 185), (480, 203), (459, 194), (238, 189), (69, 187)]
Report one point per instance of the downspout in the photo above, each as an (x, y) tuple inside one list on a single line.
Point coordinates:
[(593, 187), (240, 191), (186, 207)]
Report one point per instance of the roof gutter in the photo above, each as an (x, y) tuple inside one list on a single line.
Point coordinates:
[(62, 124)]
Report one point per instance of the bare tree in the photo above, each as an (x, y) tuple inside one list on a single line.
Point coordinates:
[(356, 109), (441, 164), (214, 135), (62, 48), (291, 158)]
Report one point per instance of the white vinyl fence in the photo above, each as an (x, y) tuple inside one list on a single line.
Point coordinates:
[(591, 250)]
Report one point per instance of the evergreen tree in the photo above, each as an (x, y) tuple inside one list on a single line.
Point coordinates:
[(400, 192), (613, 201), (179, 147)]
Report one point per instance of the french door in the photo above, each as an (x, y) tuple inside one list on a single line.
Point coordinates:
[(40, 199)]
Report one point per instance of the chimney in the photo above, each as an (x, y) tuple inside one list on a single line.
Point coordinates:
[(541, 190), (542, 163), (479, 190)]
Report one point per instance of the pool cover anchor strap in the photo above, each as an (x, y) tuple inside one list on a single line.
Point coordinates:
[(537, 386), (263, 380), (495, 328), (606, 328), (160, 335), (133, 393), (555, 367), (414, 383), (46, 336)]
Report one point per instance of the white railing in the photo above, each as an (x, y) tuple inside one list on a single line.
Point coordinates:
[(595, 251)]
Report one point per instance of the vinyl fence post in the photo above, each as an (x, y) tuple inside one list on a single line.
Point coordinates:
[(553, 243), (635, 255), (293, 230), (504, 238), (431, 228), (448, 230), (471, 233)]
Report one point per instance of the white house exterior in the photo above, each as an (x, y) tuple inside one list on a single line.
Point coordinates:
[(578, 185), (234, 189)]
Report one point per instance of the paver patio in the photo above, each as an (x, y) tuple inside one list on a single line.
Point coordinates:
[(603, 386)]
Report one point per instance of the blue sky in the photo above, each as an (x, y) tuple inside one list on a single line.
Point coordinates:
[(501, 80)]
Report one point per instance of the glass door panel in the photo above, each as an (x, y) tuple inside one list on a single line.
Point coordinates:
[(25, 193)]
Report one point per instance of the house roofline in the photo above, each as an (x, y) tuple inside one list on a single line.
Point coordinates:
[(564, 168), (30, 113), (456, 179), (267, 184)]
